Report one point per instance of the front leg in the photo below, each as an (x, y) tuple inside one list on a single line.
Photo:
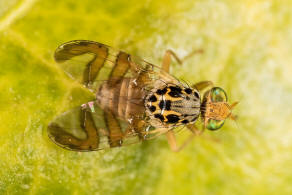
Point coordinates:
[(198, 132), (173, 143), (194, 129), (167, 58), (202, 85)]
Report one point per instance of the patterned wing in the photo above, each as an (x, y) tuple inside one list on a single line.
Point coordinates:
[(89, 128), (90, 62)]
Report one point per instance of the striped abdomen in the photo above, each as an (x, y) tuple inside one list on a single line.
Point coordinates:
[(124, 98)]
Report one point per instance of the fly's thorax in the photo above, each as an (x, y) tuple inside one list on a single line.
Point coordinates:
[(172, 105)]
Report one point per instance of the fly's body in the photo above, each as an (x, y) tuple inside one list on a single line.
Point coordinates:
[(135, 100)]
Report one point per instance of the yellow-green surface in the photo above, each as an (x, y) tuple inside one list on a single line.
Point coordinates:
[(247, 51)]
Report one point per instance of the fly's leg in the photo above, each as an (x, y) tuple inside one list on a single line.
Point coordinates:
[(173, 143), (167, 58), (202, 85), (195, 130), (166, 64), (198, 132)]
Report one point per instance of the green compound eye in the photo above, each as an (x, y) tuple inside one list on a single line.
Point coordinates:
[(214, 124), (218, 95)]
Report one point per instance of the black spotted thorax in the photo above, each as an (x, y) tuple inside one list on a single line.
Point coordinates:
[(172, 105)]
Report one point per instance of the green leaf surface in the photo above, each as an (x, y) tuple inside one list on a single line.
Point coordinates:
[(247, 51)]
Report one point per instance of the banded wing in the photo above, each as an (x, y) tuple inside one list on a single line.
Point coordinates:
[(91, 62), (89, 128)]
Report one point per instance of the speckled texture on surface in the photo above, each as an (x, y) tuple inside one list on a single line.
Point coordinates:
[(247, 51)]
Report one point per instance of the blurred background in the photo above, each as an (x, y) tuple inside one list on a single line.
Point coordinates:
[(247, 51)]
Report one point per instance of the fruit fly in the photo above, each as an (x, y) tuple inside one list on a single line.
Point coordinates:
[(135, 100)]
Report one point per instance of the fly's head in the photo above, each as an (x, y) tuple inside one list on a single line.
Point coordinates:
[(215, 108)]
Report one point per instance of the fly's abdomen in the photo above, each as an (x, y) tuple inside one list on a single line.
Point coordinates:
[(124, 98)]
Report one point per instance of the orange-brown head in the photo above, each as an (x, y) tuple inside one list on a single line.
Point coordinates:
[(215, 109)]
